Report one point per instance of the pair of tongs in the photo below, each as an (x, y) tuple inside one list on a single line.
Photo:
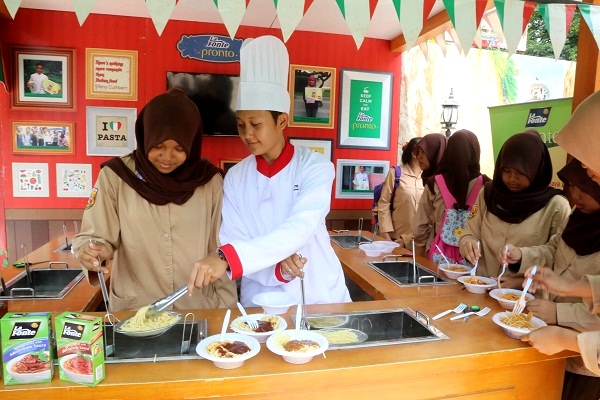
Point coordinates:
[(161, 305)]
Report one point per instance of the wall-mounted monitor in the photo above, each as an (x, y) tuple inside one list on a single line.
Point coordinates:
[(214, 94)]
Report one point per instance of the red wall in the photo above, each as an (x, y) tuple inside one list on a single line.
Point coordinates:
[(156, 56)]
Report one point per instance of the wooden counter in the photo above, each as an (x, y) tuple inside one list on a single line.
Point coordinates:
[(83, 297)]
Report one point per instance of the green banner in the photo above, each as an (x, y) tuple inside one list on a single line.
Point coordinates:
[(365, 109), (547, 117)]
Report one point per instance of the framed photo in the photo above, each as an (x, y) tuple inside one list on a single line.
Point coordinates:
[(322, 146), (43, 78), (225, 164), (356, 179), (73, 180), (111, 74), (312, 95), (30, 180), (365, 109), (41, 137), (110, 131)]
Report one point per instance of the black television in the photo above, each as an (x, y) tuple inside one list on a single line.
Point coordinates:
[(215, 96)]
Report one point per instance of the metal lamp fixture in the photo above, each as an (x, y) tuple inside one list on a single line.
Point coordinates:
[(449, 113)]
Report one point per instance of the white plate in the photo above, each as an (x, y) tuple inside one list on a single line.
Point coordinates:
[(74, 376), (516, 333), (260, 336), (454, 274), (336, 321), (479, 289), (148, 332), (297, 357), (229, 363), (361, 336), (508, 304), (41, 376)]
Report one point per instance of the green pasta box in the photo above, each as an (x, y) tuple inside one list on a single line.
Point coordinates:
[(80, 348), (27, 345)]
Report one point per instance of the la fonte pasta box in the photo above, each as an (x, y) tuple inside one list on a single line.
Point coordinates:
[(80, 348), (26, 347)]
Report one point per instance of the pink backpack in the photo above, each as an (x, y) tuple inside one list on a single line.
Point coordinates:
[(453, 224)]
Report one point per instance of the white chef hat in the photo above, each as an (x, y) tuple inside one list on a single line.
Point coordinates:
[(264, 66)]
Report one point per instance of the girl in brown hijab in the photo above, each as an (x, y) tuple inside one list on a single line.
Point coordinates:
[(429, 152), (155, 212), (518, 206)]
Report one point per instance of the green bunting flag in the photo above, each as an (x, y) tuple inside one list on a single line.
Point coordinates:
[(514, 16), (412, 14), (465, 16), (591, 15), (558, 18)]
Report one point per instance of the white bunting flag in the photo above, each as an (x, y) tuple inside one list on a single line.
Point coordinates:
[(160, 12), (357, 14), (411, 14), (12, 6), (514, 16), (441, 41), (425, 50), (478, 39), (591, 15), (83, 8), (289, 13), (465, 16), (558, 18), (232, 12)]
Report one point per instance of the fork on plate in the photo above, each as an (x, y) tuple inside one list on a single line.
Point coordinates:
[(520, 304), (460, 308), (252, 323), (479, 313)]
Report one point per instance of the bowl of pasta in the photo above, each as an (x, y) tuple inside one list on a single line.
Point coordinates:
[(507, 298), (453, 271), (267, 325), (229, 351), (30, 368), (141, 326), (516, 326), (477, 284), (274, 303), (77, 368), (297, 346)]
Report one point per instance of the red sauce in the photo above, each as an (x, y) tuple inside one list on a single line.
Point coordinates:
[(30, 364), (300, 345), (79, 365), (229, 349), (264, 326)]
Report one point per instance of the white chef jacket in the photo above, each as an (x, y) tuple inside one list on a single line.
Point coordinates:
[(273, 211), (38, 80), (361, 181)]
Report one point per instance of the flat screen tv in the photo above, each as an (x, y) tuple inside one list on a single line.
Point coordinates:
[(215, 96)]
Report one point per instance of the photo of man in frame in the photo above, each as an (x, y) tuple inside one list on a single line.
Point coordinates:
[(42, 78)]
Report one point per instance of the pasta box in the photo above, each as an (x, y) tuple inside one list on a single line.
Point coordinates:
[(27, 347), (80, 348)]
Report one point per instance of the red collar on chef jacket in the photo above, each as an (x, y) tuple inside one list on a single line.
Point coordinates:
[(280, 163)]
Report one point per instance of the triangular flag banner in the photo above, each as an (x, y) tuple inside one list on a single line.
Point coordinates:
[(83, 8), (12, 6), (494, 22), (441, 41), (424, 50), (478, 39), (465, 16), (456, 41), (289, 13), (232, 12), (558, 18), (160, 12), (2, 76), (357, 14), (591, 15), (411, 14), (514, 16)]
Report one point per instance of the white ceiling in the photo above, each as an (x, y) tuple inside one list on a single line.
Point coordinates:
[(322, 16)]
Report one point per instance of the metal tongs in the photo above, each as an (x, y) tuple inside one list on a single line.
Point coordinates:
[(101, 279), (161, 305)]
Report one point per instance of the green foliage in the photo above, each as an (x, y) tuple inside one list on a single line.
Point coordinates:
[(538, 39), (507, 71)]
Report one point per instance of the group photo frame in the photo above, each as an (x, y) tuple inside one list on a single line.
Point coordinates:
[(43, 137), (111, 74), (110, 131), (322, 146), (312, 96), (43, 78), (356, 179)]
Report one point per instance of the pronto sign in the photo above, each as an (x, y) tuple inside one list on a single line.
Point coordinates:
[(210, 48)]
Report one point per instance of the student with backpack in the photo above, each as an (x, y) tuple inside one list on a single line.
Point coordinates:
[(447, 199), (397, 204)]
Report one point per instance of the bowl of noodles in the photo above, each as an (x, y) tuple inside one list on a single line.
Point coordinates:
[(516, 326), (30, 368), (229, 351), (77, 368), (267, 325), (477, 284), (453, 271), (297, 346), (140, 325), (509, 298), (327, 321)]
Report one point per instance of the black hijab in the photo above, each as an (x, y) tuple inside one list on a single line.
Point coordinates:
[(527, 153), (582, 232), (173, 116)]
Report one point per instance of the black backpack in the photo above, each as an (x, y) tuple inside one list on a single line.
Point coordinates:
[(377, 194)]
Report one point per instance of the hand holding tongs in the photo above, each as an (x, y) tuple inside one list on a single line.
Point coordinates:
[(101, 278), (162, 304)]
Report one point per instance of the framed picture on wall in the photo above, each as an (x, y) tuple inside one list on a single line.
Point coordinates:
[(365, 109), (356, 179), (322, 146), (42, 137), (110, 131), (225, 164), (312, 96), (73, 180), (111, 74), (30, 180), (43, 78)]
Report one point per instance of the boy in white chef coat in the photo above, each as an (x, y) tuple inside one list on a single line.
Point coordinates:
[(275, 200)]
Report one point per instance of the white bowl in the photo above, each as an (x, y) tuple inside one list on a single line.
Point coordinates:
[(229, 363), (373, 249), (454, 274), (478, 289), (505, 303), (34, 377), (390, 246), (516, 333), (74, 376), (275, 303), (238, 325), (273, 344)]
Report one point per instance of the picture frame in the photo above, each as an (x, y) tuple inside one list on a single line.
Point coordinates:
[(365, 109), (73, 180), (111, 74), (43, 137), (312, 108), (227, 163), (43, 78), (320, 145), (350, 185), (30, 180), (110, 131)]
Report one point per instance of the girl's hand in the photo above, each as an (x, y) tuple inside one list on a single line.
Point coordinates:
[(468, 249), (511, 257), (293, 265), (88, 258), (552, 339), (543, 309), (206, 271)]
